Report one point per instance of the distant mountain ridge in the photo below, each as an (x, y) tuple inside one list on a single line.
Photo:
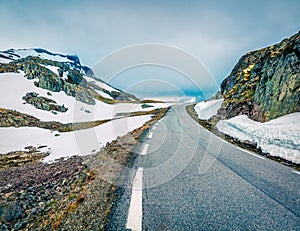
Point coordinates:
[(13, 54), (265, 84)]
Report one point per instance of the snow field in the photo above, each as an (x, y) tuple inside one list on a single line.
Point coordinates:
[(67, 144), (16, 86)]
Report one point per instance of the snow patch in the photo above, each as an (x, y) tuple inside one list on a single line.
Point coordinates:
[(279, 137), (66, 144), (54, 69), (100, 84), (16, 86), (205, 110), (4, 60)]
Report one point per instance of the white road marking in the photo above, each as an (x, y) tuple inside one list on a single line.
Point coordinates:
[(153, 128), (150, 135), (135, 212), (296, 172), (251, 153), (219, 138), (225, 141), (145, 149)]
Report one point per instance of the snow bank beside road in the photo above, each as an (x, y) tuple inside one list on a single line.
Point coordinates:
[(206, 110), (280, 137)]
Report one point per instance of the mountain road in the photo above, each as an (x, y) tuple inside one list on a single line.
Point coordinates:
[(186, 178)]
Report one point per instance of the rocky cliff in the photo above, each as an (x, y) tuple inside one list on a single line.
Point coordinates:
[(265, 84)]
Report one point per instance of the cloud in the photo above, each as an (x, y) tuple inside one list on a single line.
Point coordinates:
[(215, 32), (173, 99)]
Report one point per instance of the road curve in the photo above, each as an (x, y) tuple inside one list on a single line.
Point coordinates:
[(190, 179)]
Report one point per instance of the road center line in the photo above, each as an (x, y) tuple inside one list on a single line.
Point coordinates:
[(253, 154), (135, 212), (296, 172), (150, 135), (145, 149)]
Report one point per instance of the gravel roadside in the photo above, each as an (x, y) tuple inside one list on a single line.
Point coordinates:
[(70, 194)]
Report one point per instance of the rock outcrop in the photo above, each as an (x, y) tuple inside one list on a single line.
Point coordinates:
[(43, 103), (265, 84)]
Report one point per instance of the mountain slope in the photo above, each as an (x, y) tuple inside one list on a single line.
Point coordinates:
[(57, 85), (56, 72), (54, 100), (265, 84)]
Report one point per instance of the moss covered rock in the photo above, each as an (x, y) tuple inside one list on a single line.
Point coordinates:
[(43, 103), (265, 84)]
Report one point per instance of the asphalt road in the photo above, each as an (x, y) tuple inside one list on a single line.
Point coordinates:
[(185, 178)]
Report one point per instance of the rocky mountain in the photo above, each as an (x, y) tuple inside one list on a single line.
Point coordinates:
[(47, 98), (59, 73), (265, 84)]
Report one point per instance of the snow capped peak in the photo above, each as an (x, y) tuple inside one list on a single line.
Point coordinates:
[(71, 60), (13, 54)]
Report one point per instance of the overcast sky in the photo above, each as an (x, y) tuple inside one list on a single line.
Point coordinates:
[(217, 33)]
